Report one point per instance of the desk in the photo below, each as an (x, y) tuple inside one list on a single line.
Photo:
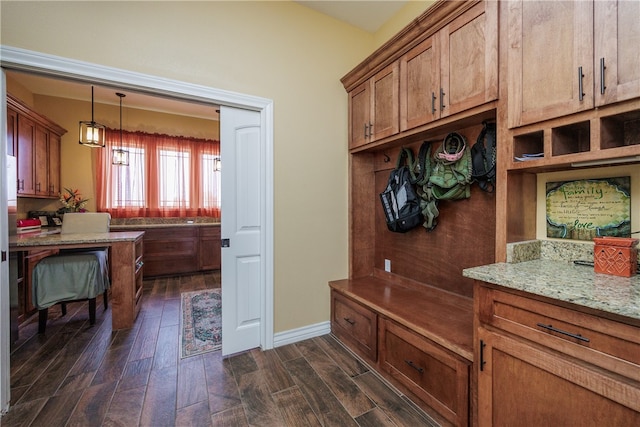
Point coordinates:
[(125, 262)]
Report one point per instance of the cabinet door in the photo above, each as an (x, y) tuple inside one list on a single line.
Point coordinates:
[(469, 63), (209, 248), (385, 103), (616, 40), (420, 85), (41, 162), (359, 108), (54, 165), (522, 384), (12, 132), (550, 59), (25, 154)]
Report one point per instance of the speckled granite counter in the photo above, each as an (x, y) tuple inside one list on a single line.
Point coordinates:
[(560, 279), (57, 240), (133, 223)]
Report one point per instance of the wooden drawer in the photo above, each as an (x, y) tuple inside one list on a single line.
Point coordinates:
[(608, 344), (355, 324), (436, 375)]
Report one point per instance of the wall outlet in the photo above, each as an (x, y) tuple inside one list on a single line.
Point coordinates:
[(387, 265)]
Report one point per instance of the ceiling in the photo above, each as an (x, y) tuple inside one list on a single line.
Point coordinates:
[(368, 15)]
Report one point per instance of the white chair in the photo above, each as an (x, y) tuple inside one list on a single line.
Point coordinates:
[(73, 275)]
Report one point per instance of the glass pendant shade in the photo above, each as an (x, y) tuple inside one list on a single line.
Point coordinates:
[(92, 134), (120, 156)]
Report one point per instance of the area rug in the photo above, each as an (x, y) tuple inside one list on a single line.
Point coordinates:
[(201, 322)]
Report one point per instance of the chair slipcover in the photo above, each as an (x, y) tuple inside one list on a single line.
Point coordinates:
[(75, 274)]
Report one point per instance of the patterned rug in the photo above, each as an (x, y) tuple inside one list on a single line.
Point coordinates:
[(201, 320)]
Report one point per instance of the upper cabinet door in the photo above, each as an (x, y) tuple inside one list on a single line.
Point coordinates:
[(420, 84), (550, 59), (617, 51), (454, 70), (359, 106), (469, 59), (384, 103), (374, 108)]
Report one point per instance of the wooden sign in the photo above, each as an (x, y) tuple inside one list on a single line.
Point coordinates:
[(589, 208)]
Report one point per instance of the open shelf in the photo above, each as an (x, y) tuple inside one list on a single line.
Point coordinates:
[(570, 139), (620, 130)]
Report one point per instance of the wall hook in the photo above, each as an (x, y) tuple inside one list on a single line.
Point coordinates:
[(387, 159)]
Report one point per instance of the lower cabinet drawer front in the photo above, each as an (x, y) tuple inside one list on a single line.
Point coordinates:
[(436, 375), (608, 344), (356, 324)]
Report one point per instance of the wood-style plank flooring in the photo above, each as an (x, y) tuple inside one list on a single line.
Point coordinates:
[(77, 375)]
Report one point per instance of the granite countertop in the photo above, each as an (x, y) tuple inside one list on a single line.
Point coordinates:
[(58, 239), (560, 279), (137, 223)]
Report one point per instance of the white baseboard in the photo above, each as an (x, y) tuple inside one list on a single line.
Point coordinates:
[(301, 334)]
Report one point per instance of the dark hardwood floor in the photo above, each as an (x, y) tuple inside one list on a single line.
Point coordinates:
[(77, 375)]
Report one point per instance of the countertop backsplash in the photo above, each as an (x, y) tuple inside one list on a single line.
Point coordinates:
[(552, 250), (141, 221)]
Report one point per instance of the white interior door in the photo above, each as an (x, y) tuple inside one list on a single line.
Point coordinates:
[(243, 267)]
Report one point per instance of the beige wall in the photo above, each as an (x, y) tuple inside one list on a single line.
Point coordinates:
[(278, 50)]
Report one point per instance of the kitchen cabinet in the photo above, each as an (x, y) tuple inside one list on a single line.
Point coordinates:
[(27, 263), (170, 250), (553, 68), (209, 248), (54, 187), (541, 363), (179, 249), (453, 70), (12, 132), (25, 156), (617, 61), (36, 142), (550, 60), (373, 108)]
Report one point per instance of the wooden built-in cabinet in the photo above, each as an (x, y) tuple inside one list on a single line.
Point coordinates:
[(535, 68), (540, 363), (451, 71), (570, 78), (418, 337), (373, 108), (566, 57), (35, 141), (437, 74), (209, 251), (27, 262), (174, 250)]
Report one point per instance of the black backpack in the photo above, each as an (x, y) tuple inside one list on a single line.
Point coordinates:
[(400, 202), (483, 156)]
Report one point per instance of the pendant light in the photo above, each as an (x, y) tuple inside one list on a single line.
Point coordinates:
[(120, 155), (92, 134)]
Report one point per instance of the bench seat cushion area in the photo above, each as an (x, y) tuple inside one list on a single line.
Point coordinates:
[(70, 276)]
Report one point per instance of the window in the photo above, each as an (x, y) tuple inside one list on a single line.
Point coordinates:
[(166, 177)]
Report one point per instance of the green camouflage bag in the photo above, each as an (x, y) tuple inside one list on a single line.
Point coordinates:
[(451, 175)]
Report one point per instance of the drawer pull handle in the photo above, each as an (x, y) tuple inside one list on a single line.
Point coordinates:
[(560, 331), (413, 365), (349, 321)]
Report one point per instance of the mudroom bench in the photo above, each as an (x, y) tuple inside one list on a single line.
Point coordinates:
[(418, 337)]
